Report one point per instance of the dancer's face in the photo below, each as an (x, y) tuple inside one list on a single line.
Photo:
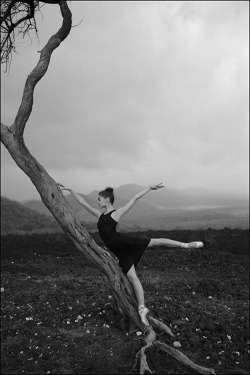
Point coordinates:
[(102, 202)]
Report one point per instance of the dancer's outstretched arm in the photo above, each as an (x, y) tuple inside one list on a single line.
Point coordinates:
[(123, 210), (82, 201)]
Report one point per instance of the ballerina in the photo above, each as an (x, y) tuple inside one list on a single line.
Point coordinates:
[(128, 249)]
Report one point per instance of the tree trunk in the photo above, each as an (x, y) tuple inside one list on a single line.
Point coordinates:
[(52, 197)]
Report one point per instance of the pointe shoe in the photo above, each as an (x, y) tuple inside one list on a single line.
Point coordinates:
[(192, 245), (143, 313), (195, 245)]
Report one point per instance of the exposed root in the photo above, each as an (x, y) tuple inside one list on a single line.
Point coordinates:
[(149, 337), (149, 334), (183, 358), (143, 359), (158, 324)]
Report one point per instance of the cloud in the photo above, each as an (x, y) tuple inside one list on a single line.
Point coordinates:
[(139, 88)]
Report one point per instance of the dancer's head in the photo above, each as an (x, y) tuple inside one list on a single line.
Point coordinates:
[(108, 193)]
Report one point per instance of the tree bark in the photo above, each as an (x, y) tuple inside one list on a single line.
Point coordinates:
[(52, 197)]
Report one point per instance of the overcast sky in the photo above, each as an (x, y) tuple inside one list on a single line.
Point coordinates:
[(140, 92)]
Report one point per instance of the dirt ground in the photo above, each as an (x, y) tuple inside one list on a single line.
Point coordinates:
[(56, 316)]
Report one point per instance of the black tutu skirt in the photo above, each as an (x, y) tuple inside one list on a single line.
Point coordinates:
[(129, 250)]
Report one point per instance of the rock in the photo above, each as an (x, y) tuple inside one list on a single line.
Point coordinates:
[(168, 298), (177, 344)]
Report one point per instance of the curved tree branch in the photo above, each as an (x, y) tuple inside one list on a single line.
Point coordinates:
[(40, 70)]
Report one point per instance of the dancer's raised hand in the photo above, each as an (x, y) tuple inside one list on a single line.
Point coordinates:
[(62, 187), (157, 186)]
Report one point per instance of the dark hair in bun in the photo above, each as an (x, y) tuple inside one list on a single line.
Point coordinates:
[(108, 193)]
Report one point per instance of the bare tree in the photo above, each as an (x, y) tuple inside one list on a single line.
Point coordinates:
[(19, 17)]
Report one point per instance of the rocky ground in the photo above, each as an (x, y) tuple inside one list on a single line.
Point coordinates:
[(56, 315)]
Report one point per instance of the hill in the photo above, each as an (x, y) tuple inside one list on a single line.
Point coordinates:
[(167, 209), (18, 219)]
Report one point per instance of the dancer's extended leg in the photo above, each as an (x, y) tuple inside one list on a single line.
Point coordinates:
[(165, 242)]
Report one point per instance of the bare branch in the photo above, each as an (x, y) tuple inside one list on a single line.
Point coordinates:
[(17, 18), (40, 70), (79, 23)]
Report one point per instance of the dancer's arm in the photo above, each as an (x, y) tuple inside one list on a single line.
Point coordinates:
[(82, 202), (116, 215)]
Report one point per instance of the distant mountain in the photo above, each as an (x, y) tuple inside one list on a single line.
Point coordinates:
[(167, 209), (16, 218)]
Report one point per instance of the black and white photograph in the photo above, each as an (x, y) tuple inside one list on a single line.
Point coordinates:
[(124, 187)]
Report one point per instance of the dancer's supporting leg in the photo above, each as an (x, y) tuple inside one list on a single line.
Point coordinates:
[(165, 242), (139, 292)]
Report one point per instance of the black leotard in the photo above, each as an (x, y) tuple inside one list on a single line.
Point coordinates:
[(128, 249)]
